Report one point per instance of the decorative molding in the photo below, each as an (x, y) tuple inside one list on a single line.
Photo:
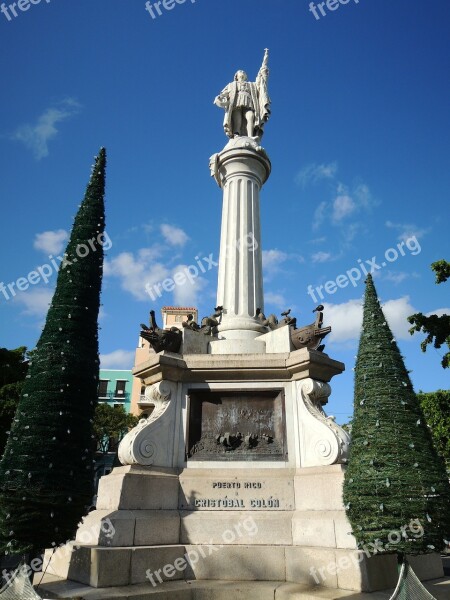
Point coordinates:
[(151, 441), (322, 440)]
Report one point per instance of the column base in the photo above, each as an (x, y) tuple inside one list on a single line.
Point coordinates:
[(237, 346), (239, 335)]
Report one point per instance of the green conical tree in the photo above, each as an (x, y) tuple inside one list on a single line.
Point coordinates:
[(46, 473), (396, 489)]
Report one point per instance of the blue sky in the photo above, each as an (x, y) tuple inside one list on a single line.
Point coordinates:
[(358, 139)]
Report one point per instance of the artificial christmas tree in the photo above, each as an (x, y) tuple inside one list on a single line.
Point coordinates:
[(46, 473), (396, 490)]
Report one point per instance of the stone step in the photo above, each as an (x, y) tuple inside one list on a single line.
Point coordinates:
[(56, 588), (101, 567)]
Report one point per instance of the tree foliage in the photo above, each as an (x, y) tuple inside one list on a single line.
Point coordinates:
[(46, 473), (13, 369), (394, 476), (111, 423), (442, 270), (436, 408), (436, 328)]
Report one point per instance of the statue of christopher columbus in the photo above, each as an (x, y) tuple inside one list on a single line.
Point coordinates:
[(246, 103)]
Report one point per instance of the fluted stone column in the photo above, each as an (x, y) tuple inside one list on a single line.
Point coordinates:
[(240, 169)]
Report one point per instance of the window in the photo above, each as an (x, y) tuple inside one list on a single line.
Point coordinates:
[(120, 388), (103, 388), (178, 319)]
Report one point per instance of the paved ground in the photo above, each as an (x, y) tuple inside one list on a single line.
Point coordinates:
[(218, 590)]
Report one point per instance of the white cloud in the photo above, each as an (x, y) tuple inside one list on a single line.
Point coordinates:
[(346, 319), (346, 203), (321, 257), (187, 293), (319, 215), (408, 230), (397, 277), (144, 277), (137, 272), (36, 301), (319, 240), (51, 242), (37, 136), (314, 173), (439, 312), (364, 196), (150, 254), (350, 231), (174, 235), (119, 359), (343, 206), (396, 312), (273, 257), (274, 299)]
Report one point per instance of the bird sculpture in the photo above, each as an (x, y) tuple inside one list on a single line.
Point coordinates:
[(319, 308), (286, 313)]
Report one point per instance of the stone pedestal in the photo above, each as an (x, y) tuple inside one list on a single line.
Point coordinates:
[(191, 507), (310, 545)]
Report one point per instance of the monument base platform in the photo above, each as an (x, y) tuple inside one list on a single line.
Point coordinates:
[(156, 526), (236, 475), (53, 587)]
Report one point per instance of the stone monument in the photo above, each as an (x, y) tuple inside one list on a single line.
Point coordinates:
[(237, 473)]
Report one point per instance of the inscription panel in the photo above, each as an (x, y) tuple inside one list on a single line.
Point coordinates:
[(243, 493), (236, 425)]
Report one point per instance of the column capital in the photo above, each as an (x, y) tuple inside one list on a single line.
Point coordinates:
[(242, 156)]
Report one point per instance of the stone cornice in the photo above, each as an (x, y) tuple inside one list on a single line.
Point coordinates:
[(207, 368)]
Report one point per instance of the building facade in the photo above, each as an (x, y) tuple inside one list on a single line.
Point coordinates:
[(114, 387), (173, 316)]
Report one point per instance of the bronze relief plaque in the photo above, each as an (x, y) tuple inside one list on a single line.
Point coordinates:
[(236, 425)]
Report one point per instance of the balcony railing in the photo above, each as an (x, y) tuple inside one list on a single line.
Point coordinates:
[(125, 397)]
